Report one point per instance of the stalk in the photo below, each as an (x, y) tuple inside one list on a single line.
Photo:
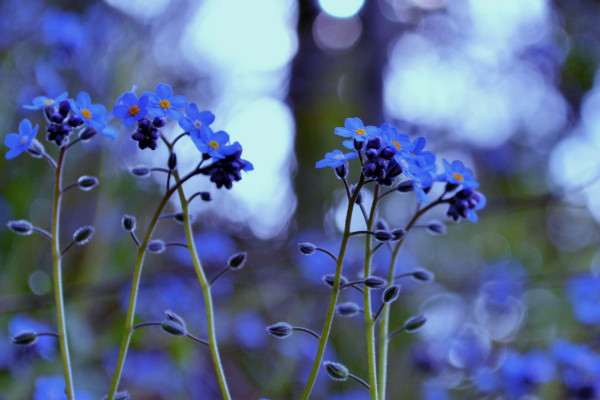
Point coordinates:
[(334, 295), (57, 277)]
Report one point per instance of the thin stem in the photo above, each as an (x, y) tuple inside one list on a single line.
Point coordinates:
[(137, 274), (219, 275), (378, 313), (71, 186), (197, 339), (53, 334), (158, 169), (357, 379), (309, 331), (135, 239), (58, 284), (330, 254), (205, 284), (334, 295), (397, 331), (348, 194), (74, 142), (385, 314), (184, 134), (44, 232), (50, 160), (367, 232), (176, 244), (369, 320), (67, 247)]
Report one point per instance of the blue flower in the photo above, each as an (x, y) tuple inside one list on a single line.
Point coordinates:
[(524, 373), (458, 174), (130, 109), (465, 203), (226, 170), (355, 129), (400, 141), (53, 388), (335, 159), (579, 369), (584, 293), (42, 102), (19, 142), (93, 115), (214, 144), (196, 122), (164, 104)]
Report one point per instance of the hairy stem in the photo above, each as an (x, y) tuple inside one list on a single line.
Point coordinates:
[(369, 320)]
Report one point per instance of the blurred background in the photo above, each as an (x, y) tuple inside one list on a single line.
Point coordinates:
[(509, 87)]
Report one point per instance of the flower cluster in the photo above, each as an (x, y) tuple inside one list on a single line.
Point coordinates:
[(387, 156)]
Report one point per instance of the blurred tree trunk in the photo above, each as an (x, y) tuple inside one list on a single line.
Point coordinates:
[(317, 80)]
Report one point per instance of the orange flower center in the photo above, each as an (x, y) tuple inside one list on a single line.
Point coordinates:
[(458, 177), (398, 145), (134, 110), (165, 103), (48, 102), (361, 132), (86, 113), (213, 144)]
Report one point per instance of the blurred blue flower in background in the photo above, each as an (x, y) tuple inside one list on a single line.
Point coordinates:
[(583, 292), (53, 388), (44, 346), (579, 369)]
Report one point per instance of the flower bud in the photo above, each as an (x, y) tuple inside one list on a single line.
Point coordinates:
[(74, 121), (24, 338), (156, 246), (423, 275), (398, 234), (205, 196), (280, 330), (451, 186), (375, 282), (172, 162), (173, 328), (348, 309), (237, 260), (21, 227), (329, 279), (87, 133), (405, 186), (128, 223), (413, 324), (87, 183), (64, 107), (336, 371), (159, 122), (141, 171), (383, 236), (307, 248), (83, 235), (436, 228), (36, 149), (342, 171), (390, 294), (382, 225)]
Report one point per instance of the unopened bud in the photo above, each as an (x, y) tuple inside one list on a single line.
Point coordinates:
[(307, 248), (205, 196), (398, 234), (173, 328), (336, 371), (390, 294), (36, 149), (87, 133), (330, 278), (237, 260), (87, 183), (348, 309), (128, 223), (375, 282), (21, 227), (83, 235), (405, 186), (141, 171), (24, 338), (342, 171), (383, 236), (381, 225), (280, 330), (172, 162), (423, 275), (436, 228), (413, 324), (156, 246)]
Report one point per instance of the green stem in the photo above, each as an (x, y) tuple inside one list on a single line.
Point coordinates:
[(137, 274), (210, 314), (57, 276), (369, 321), (334, 295), (384, 324)]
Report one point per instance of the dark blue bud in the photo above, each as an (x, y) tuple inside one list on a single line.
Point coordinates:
[(390, 294), (358, 145), (387, 152), (371, 154), (173, 328), (156, 246), (423, 275), (21, 227), (87, 183), (280, 330), (329, 279), (342, 171), (172, 162), (205, 196), (375, 282), (307, 248), (405, 186), (64, 107), (336, 371), (74, 121), (24, 338), (83, 235), (436, 228), (176, 320), (141, 171), (398, 234), (87, 133), (382, 225), (383, 236), (415, 323), (348, 309), (159, 122), (57, 118), (374, 142), (128, 223), (237, 260)]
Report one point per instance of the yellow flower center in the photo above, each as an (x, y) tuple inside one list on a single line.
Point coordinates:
[(48, 102), (213, 144), (398, 145), (165, 103), (86, 113), (458, 177), (134, 110), (361, 132)]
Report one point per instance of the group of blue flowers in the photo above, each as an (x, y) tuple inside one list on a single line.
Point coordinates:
[(150, 111), (386, 155)]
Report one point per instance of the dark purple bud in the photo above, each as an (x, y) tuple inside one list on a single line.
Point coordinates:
[(87, 133), (173, 328), (128, 223), (24, 338), (87, 183), (205, 196), (371, 154), (423, 275), (57, 118), (390, 294), (375, 282), (336, 371), (342, 171), (280, 330), (159, 122), (415, 323), (83, 235), (383, 236), (237, 260), (374, 142), (405, 186), (329, 279), (436, 228), (387, 152), (172, 162), (382, 225), (348, 309), (74, 121), (20, 227), (64, 107), (307, 248), (398, 234)]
